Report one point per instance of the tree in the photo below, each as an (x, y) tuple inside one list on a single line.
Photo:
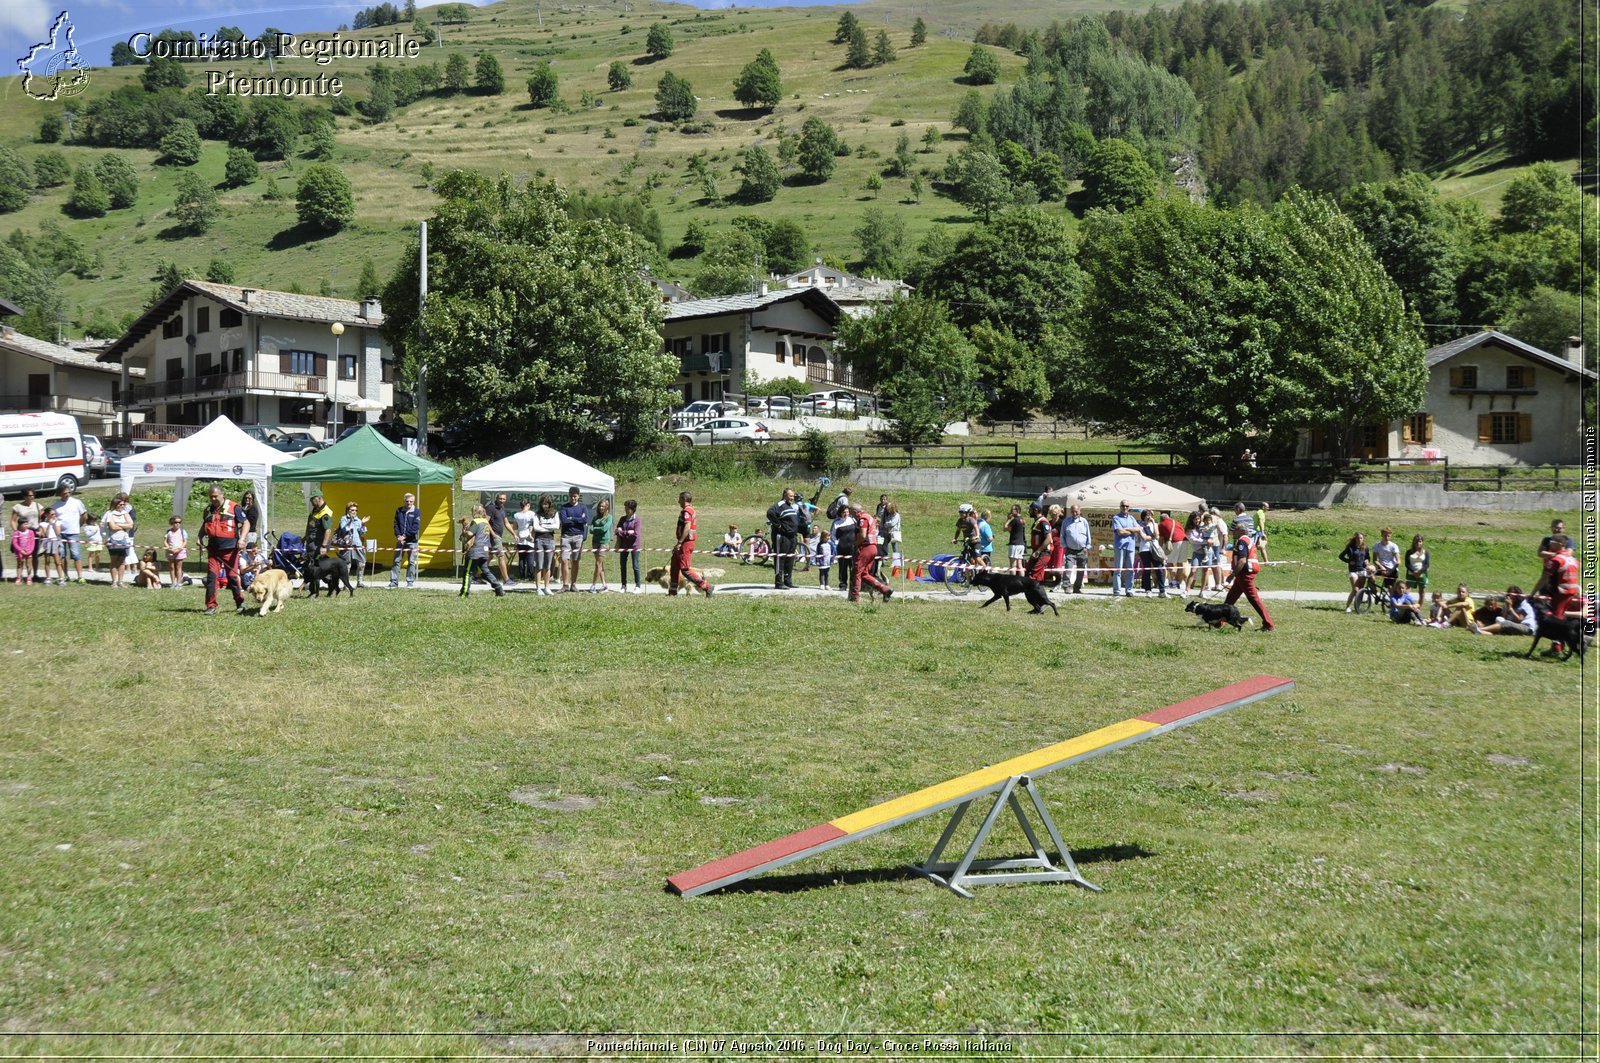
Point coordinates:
[(181, 145), (734, 261), (982, 68), (50, 128), (1117, 176), (787, 246), (122, 54), (912, 352), (370, 284), (380, 102), (537, 323), (658, 42), (932, 138), (544, 89), (51, 169), (818, 149), (220, 271), (1543, 197), (675, 100), (277, 127), (882, 238), (900, 163), (759, 84), (88, 198), (322, 142), (1414, 236), (858, 53), (16, 182), (882, 49), (195, 205), (969, 114), (1546, 317), (241, 169), (619, 77), (323, 199), (917, 188), (457, 73), (982, 185), (119, 179), (1018, 373), (919, 33), (491, 79), (163, 73), (848, 24), (761, 176)]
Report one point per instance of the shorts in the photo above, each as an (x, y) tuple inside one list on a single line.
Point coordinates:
[(598, 544), (1204, 557), (177, 555), (571, 547), (1179, 553), (1018, 552), (70, 548)]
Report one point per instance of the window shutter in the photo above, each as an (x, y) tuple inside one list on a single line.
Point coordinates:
[(284, 365), (1455, 376), (1485, 428), (1405, 431), (1524, 428), (320, 368), (1427, 430), (1527, 377)]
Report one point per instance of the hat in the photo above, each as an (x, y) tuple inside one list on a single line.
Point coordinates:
[(965, 507)]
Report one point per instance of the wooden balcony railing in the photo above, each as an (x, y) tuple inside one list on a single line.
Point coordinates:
[(76, 405), (225, 384)]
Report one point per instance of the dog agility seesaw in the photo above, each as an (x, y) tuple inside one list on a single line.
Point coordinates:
[(1005, 780)]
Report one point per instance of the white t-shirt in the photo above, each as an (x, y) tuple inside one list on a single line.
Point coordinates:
[(523, 519), (27, 516), (70, 515)]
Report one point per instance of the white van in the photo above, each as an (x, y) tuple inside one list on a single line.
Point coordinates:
[(43, 451)]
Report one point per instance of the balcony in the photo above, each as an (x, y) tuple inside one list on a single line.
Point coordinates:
[(822, 373), (224, 384), (712, 362), (76, 405), (149, 433)]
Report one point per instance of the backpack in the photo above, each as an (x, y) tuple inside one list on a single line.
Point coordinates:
[(836, 508)]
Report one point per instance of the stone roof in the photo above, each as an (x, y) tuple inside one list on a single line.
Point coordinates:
[(1446, 351), (748, 302), (262, 302), (22, 343)]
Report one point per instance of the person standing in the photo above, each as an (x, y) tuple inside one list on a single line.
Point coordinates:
[(866, 554), (24, 525), (546, 525), (574, 526), (1547, 550), (843, 533), (1016, 539), (70, 512), (985, 540), (1152, 558), (599, 542), (891, 533), (477, 536), (119, 524), (522, 521), (1245, 567), (252, 513), (1417, 559), (497, 516), (1261, 530), (1175, 545), (1076, 542), (1562, 577), (1042, 543), (787, 519), (683, 550), (177, 551), (407, 530), (629, 535), (223, 528), (1124, 549), (351, 538), (319, 529)]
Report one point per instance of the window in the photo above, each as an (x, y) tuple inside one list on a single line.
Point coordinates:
[(1505, 428), (233, 361), (783, 352), (65, 447), (295, 411), (347, 367), (174, 368), (229, 318), (388, 370), (714, 342), (202, 319), (1519, 377), (680, 346), (1418, 428), (1370, 436), (1464, 377), (303, 363), (172, 329)]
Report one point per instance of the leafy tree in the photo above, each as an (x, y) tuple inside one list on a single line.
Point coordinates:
[(917, 188), (1546, 317), (694, 240), (380, 102), (323, 199), (761, 176), (241, 168), (817, 151), (544, 89), (734, 261), (195, 205), (882, 49), (858, 53), (16, 182), (787, 246), (540, 324), (619, 77), (490, 78), (370, 284), (1542, 198), (162, 73), (1116, 175), (658, 42), (882, 238), (969, 114), (51, 169), (50, 128), (919, 33), (88, 198), (1414, 236), (119, 179), (982, 184), (759, 84), (982, 67), (457, 73), (932, 138), (322, 143), (122, 54), (848, 24), (181, 145), (220, 271), (675, 100), (901, 162), (1018, 372), (912, 352)]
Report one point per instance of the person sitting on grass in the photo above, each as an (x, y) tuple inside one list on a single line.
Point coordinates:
[(1459, 610), (1518, 618), (1437, 616), (1403, 607), (731, 541)]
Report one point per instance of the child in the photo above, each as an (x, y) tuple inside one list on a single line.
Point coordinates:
[(50, 545), (148, 576), (177, 550), (731, 541), (1438, 616), (93, 541), (600, 539), (985, 540), (824, 554), (250, 564), (1459, 610), (628, 530)]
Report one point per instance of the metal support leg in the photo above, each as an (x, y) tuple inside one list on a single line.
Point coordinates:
[(970, 871)]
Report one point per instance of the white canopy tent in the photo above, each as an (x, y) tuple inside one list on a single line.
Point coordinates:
[(1106, 492), (537, 470), (219, 451)]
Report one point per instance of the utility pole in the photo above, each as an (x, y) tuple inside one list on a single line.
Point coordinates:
[(422, 365)]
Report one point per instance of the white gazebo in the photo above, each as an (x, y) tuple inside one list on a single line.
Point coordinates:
[(219, 451), (538, 470), (1106, 492)]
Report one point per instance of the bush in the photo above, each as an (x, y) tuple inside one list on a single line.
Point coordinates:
[(50, 128), (241, 169), (119, 179), (51, 170), (817, 451), (181, 145), (324, 199), (543, 86), (195, 206)]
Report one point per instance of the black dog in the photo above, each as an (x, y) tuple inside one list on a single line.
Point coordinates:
[(1004, 585), (1568, 631), (330, 570), (1216, 615)]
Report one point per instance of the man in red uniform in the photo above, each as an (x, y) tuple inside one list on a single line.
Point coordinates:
[(222, 528), (1245, 566), (1561, 577), (866, 554), (1042, 543), (683, 552)]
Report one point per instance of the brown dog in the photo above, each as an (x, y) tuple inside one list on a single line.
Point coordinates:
[(272, 588)]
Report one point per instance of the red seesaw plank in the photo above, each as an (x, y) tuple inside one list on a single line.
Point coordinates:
[(1228, 697), (743, 863)]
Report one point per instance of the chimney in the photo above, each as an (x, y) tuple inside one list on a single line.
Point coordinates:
[(1575, 350), (761, 289), (370, 308), (246, 294)]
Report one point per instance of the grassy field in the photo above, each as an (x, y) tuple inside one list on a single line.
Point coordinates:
[(406, 825)]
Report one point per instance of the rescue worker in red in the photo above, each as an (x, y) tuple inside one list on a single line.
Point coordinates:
[(683, 552), (1041, 543), (1561, 577), (1246, 564), (866, 554), (223, 527)]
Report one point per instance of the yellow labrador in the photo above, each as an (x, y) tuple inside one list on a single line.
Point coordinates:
[(272, 589)]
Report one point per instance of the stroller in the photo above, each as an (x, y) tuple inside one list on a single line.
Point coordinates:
[(289, 554)]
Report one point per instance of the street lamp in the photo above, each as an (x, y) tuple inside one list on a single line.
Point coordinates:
[(338, 371)]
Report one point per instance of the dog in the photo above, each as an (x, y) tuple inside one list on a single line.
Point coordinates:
[(148, 576), (1215, 615), (334, 571), (661, 575), (272, 588), (1568, 631), (1004, 585)]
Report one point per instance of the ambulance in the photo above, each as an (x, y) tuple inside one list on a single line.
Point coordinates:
[(43, 451)]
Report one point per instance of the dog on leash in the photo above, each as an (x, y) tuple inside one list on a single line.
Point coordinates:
[(661, 575), (333, 571), (272, 588), (1216, 614), (1002, 585), (1568, 631)]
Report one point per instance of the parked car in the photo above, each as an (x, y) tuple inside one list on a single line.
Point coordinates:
[(696, 412), (725, 430), (114, 459), (94, 456), (395, 431), (835, 402), (771, 405), (281, 439)]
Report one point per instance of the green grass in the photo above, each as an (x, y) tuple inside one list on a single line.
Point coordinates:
[(321, 822)]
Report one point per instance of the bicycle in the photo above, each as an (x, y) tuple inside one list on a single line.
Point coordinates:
[(1373, 592), (953, 570), (756, 550)]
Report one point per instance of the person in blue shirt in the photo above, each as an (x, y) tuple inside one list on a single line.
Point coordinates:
[(1403, 605), (1125, 547), (574, 527), (985, 540)]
